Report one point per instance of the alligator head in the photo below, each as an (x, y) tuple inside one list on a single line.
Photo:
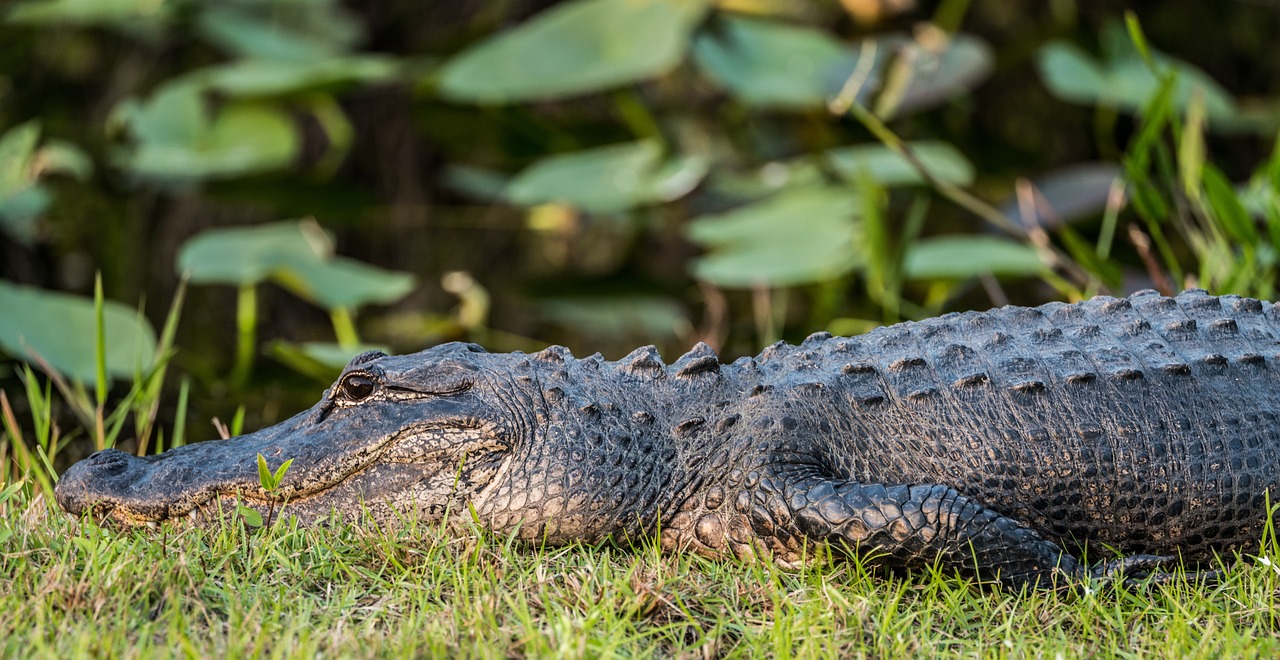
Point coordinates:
[(414, 434)]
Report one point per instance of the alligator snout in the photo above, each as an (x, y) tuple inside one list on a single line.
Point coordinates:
[(397, 438), (105, 482), (133, 490), (193, 482)]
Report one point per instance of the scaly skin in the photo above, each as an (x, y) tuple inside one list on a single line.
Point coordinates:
[(1007, 444)]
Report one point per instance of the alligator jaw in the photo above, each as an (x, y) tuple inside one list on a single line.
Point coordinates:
[(332, 469)]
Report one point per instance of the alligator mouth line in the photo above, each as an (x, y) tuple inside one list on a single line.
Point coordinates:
[(384, 452)]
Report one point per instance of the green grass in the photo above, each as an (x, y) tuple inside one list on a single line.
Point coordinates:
[(69, 588)]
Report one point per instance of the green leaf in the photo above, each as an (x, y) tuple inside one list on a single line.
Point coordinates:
[(1260, 196), (251, 516), (264, 474), (768, 179), (794, 237), (266, 78), (297, 255), (128, 15), (173, 115), (248, 137), (22, 165), (768, 63), (961, 257), (343, 282), (777, 215), (20, 211), (177, 140), (881, 163), (17, 147), (601, 180), (575, 47), (64, 158), (1227, 207), (477, 182), (242, 140), (87, 544), (607, 179), (237, 421), (9, 491), (1124, 80), (677, 177), (278, 477), (1071, 74), (248, 255), (778, 265), (56, 326), (306, 30)]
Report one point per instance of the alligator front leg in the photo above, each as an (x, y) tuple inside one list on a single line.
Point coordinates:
[(912, 526)]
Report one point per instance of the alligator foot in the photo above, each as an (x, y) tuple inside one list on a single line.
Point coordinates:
[(907, 525), (1139, 570)]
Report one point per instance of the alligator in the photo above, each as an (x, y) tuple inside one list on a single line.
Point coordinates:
[(1014, 445)]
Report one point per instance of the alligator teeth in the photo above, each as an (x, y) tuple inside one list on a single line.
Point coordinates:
[(152, 524), (192, 514)]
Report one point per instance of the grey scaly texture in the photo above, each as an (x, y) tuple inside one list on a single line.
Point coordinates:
[(1008, 444)]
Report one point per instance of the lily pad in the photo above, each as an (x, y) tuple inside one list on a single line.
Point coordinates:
[(1122, 78), (297, 255), (59, 328), (248, 255), (342, 282), (476, 182), (767, 63), (273, 77), (943, 162), (22, 164), (177, 139), (607, 179), (961, 257), (575, 47), (794, 237), (767, 179), (297, 30)]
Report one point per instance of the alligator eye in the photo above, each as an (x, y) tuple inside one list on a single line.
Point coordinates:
[(357, 387)]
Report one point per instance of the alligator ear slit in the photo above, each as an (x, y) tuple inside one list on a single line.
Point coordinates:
[(450, 391)]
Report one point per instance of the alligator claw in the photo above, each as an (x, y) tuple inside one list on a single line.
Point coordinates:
[(1136, 570), (1141, 564)]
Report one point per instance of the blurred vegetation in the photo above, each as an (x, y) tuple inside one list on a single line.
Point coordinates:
[(280, 184)]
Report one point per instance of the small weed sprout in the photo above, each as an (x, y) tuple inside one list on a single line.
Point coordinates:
[(271, 481)]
